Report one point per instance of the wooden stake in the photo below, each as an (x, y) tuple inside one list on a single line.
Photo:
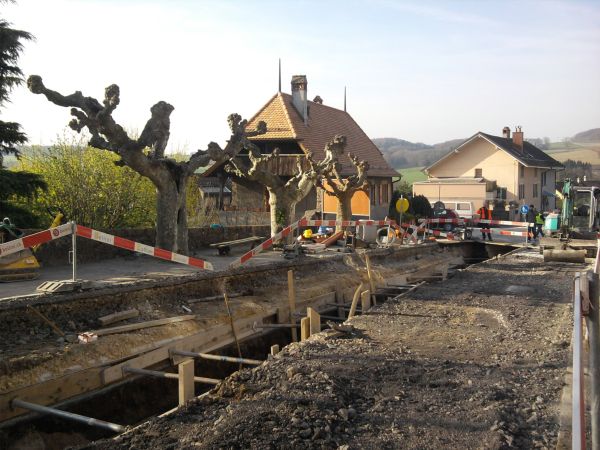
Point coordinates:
[(292, 303), (186, 381), (304, 328), (370, 275), (237, 343), (314, 320), (355, 300), (48, 321), (365, 301), (274, 349)]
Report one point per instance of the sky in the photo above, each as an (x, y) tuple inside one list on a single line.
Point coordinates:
[(424, 71)]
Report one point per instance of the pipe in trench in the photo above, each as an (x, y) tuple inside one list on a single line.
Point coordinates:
[(67, 415)]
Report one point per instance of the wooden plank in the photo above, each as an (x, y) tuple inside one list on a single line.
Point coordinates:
[(304, 328), (274, 349), (292, 304), (314, 320), (141, 325), (186, 381), (369, 274), (118, 316)]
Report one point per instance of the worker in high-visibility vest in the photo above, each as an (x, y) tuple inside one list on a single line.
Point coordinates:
[(485, 213), (539, 225)]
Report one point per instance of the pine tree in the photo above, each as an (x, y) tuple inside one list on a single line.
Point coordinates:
[(13, 183)]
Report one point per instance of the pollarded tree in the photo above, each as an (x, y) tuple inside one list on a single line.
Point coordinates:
[(284, 193), (146, 154), (344, 188)]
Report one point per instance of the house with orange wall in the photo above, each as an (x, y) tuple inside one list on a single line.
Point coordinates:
[(500, 171), (297, 126)]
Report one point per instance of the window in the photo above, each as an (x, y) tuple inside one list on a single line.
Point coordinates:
[(478, 173), (521, 191), (535, 190), (544, 178), (501, 193), (373, 193), (521, 170), (385, 191)]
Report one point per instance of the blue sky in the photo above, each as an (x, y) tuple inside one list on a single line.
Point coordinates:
[(417, 70)]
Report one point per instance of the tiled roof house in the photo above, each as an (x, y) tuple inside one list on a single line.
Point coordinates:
[(505, 172), (298, 126)]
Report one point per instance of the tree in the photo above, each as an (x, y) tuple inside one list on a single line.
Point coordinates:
[(283, 194), (89, 187), (13, 184), (146, 154), (343, 189)]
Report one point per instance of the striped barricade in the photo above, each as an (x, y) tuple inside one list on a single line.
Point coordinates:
[(268, 243), (302, 223), (50, 234), (126, 244)]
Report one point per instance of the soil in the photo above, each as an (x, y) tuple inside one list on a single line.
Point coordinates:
[(32, 352), (476, 361)]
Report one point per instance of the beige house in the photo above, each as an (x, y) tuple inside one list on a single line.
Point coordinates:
[(504, 172)]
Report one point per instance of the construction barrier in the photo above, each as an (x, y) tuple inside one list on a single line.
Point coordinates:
[(126, 244), (302, 223), (50, 234)]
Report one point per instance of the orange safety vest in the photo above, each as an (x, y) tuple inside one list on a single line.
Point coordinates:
[(482, 213)]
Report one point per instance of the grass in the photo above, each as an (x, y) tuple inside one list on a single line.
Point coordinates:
[(412, 174)]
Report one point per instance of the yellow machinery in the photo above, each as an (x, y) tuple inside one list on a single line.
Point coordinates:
[(23, 265)]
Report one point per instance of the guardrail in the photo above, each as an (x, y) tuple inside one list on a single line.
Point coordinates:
[(586, 311)]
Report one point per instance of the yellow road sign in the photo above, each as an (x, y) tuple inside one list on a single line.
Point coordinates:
[(402, 205)]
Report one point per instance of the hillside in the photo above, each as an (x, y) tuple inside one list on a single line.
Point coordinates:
[(400, 153), (592, 135)]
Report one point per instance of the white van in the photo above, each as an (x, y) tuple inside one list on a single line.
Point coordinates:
[(463, 209)]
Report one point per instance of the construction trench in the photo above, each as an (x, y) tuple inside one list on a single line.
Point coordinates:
[(94, 379)]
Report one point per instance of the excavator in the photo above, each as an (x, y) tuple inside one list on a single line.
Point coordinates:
[(577, 231), (23, 265)]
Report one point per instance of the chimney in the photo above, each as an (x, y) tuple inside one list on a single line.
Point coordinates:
[(518, 138), (299, 96), (318, 100), (506, 132)]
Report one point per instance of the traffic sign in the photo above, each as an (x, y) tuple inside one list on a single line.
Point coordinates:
[(524, 209), (402, 205)]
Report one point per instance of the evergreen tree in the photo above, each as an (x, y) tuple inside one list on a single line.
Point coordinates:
[(13, 184)]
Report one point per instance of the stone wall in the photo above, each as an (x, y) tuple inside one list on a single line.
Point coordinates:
[(56, 252)]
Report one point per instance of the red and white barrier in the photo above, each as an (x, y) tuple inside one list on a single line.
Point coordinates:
[(50, 234), (126, 244), (267, 244)]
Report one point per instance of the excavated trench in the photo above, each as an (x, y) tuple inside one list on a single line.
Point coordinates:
[(28, 356)]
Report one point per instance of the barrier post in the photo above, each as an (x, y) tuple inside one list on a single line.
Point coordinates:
[(593, 326), (74, 249)]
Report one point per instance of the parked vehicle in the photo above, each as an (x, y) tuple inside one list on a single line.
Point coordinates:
[(462, 209)]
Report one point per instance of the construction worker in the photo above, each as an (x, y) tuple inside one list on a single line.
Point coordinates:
[(485, 213), (530, 217), (539, 224)]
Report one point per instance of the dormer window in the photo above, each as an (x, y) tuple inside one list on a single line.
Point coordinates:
[(478, 173)]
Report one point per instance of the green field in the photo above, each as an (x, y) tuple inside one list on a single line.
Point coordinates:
[(412, 174)]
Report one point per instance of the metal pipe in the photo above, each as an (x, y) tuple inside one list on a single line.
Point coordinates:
[(67, 415), (232, 359), (578, 406), (323, 317), (172, 376), (74, 249), (593, 326)]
